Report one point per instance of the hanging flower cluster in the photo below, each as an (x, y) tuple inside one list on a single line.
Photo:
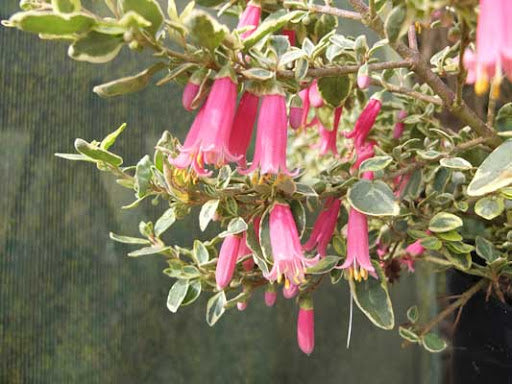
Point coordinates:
[(313, 158)]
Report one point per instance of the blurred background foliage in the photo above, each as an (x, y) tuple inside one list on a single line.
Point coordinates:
[(75, 309)]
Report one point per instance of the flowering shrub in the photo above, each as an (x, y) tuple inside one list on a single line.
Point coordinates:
[(397, 168)]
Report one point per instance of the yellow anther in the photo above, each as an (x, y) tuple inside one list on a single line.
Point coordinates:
[(350, 273), (482, 84), (357, 276), (286, 284), (496, 82), (364, 273)]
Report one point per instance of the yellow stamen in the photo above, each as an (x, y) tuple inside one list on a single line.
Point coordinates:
[(350, 273), (364, 274), (286, 284), (496, 83), (482, 84), (357, 276)]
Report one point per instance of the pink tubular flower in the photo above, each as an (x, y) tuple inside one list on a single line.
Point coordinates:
[(358, 253), (270, 153), (363, 152), (314, 95), (250, 18), (412, 251), (227, 261), (493, 44), (270, 295), (324, 227), (208, 139), (243, 125), (399, 126), (328, 139), (365, 122), (306, 326), (286, 249), (290, 291)]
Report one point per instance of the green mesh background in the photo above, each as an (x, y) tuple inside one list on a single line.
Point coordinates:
[(75, 309)]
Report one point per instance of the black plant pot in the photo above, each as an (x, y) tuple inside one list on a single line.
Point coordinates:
[(482, 341)]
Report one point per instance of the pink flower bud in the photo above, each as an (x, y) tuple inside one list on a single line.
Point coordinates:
[(241, 305), (270, 297), (365, 122), (363, 81), (399, 126), (189, 94), (227, 260), (306, 327)]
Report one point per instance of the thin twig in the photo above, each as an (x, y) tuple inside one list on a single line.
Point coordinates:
[(461, 75), (341, 13), (464, 298), (347, 69), (413, 41), (406, 91)]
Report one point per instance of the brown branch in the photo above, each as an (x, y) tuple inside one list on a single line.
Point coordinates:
[(406, 91), (464, 298), (341, 13), (347, 69)]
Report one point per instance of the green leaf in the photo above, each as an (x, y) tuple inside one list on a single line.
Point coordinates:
[(235, 226), (504, 118), (271, 24), (372, 297), (291, 56), (66, 6), (373, 198), (200, 252), (485, 249), (459, 247), (413, 314), (50, 23), (450, 236), (490, 207), (215, 308), (324, 265), (74, 157), (375, 163), (153, 250), (111, 138), (205, 30), (407, 334), (129, 84), (264, 236), (413, 187), (193, 292), (96, 47), (165, 221), (433, 343), (209, 3), (259, 74), (148, 9), (460, 261), (301, 69), (207, 213), (97, 153), (305, 190), (431, 243), (494, 173), (142, 176), (177, 294), (395, 22), (299, 216), (254, 246), (444, 222), (128, 239), (429, 155), (334, 90), (456, 163)]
